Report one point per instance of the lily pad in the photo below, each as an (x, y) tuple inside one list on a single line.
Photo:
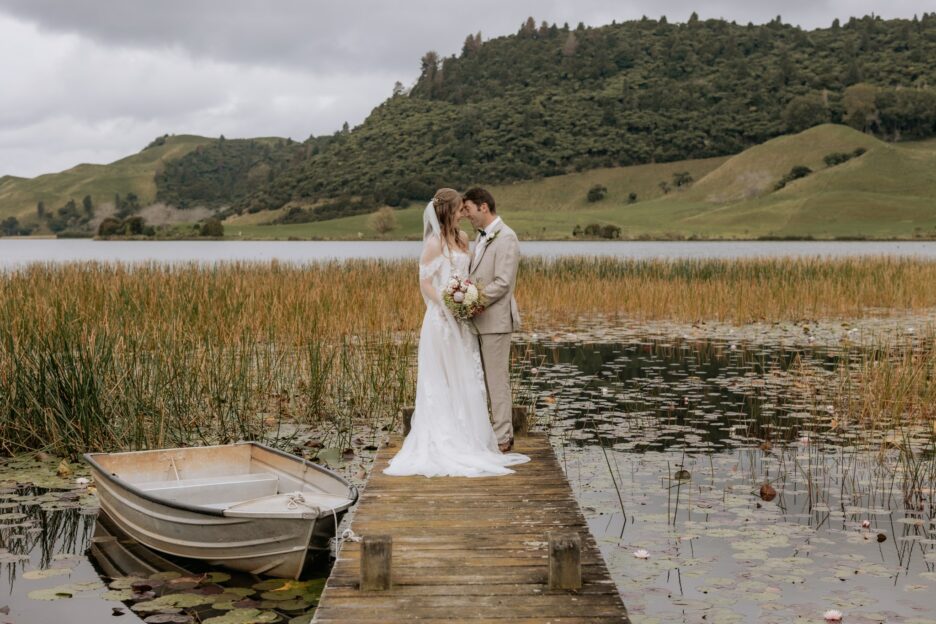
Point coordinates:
[(52, 593), (243, 616), (182, 600), (34, 575)]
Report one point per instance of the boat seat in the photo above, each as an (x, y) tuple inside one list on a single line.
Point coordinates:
[(218, 492), (288, 505)]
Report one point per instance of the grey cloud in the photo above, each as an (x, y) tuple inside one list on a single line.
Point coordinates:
[(97, 79), (373, 34)]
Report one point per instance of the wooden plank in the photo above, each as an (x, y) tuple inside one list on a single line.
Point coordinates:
[(472, 550)]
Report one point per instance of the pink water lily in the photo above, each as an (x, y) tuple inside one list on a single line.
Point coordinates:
[(832, 616)]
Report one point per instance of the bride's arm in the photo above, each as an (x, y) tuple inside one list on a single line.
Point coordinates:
[(429, 264)]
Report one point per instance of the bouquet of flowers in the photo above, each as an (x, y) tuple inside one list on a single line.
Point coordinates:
[(463, 298)]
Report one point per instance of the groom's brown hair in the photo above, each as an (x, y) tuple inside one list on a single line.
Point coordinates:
[(478, 196)]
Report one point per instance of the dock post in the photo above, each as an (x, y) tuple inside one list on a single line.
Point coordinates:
[(376, 558), (565, 561)]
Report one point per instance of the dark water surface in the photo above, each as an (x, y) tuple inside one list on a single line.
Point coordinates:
[(667, 444), (628, 417)]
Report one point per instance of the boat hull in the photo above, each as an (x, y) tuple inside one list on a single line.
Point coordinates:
[(276, 546)]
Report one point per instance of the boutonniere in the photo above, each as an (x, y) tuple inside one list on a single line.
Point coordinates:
[(492, 238)]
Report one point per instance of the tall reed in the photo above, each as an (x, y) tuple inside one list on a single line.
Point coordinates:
[(103, 356)]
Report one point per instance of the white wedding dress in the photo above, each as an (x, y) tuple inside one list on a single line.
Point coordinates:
[(451, 433)]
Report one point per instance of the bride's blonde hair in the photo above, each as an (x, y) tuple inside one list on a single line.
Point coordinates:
[(447, 202)]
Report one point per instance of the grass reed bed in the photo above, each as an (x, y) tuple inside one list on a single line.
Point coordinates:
[(104, 356)]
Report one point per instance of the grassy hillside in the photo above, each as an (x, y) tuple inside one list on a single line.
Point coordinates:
[(553, 100), (889, 191), (133, 174)]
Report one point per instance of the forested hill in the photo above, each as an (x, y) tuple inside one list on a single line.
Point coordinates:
[(553, 99)]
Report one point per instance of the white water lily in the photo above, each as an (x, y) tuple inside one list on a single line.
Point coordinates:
[(82, 481), (641, 553), (865, 524), (832, 616)]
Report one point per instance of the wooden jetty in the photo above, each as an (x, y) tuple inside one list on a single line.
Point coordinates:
[(473, 550)]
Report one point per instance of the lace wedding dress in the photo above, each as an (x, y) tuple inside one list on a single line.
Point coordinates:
[(451, 434)]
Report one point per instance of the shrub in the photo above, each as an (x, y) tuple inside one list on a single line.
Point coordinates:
[(9, 226), (212, 227), (632, 198), (836, 158), (133, 226), (597, 193), (597, 230), (384, 220), (110, 227), (681, 179), (610, 231), (797, 172), (577, 231)]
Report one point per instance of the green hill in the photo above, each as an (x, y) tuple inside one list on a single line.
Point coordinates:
[(132, 174), (553, 100), (888, 191)]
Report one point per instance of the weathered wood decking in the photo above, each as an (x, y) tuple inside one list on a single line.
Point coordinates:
[(471, 550)]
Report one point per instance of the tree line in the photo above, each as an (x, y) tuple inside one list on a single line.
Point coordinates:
[(553, 99)]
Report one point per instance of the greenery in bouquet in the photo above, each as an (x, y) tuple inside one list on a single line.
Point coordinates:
[(463, 298)]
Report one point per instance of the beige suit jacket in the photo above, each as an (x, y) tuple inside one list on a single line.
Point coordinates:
[(494, 268)]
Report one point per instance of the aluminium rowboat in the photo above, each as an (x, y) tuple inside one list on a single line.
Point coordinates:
[(244, 506)]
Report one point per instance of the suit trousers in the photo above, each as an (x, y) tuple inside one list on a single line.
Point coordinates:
[(495, 350)]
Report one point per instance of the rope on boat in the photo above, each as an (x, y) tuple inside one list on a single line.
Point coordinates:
[(296, 500), (346, 536)]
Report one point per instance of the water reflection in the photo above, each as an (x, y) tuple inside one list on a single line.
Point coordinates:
[(753, 496), (57, 548)]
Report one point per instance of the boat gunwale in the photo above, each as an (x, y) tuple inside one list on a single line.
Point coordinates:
[(133, 489)]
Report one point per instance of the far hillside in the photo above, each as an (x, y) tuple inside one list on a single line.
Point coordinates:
[(130, 176), (556, 99), (226, 167), (857, 187)]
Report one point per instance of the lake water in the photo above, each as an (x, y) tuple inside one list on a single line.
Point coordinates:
[(14, 252), (668, 446), (667, 442)]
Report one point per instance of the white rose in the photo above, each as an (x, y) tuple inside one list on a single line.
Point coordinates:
[(458, 297), (471, 295), (453, 284)]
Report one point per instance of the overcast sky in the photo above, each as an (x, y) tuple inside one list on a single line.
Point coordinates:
[(96, 80)]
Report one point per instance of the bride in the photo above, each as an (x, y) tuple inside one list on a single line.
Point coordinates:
[(451, 433)]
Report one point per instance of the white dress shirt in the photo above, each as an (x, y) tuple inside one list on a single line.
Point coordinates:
[(481, 240)]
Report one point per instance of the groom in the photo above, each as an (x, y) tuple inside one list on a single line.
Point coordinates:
[(494, 267)]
